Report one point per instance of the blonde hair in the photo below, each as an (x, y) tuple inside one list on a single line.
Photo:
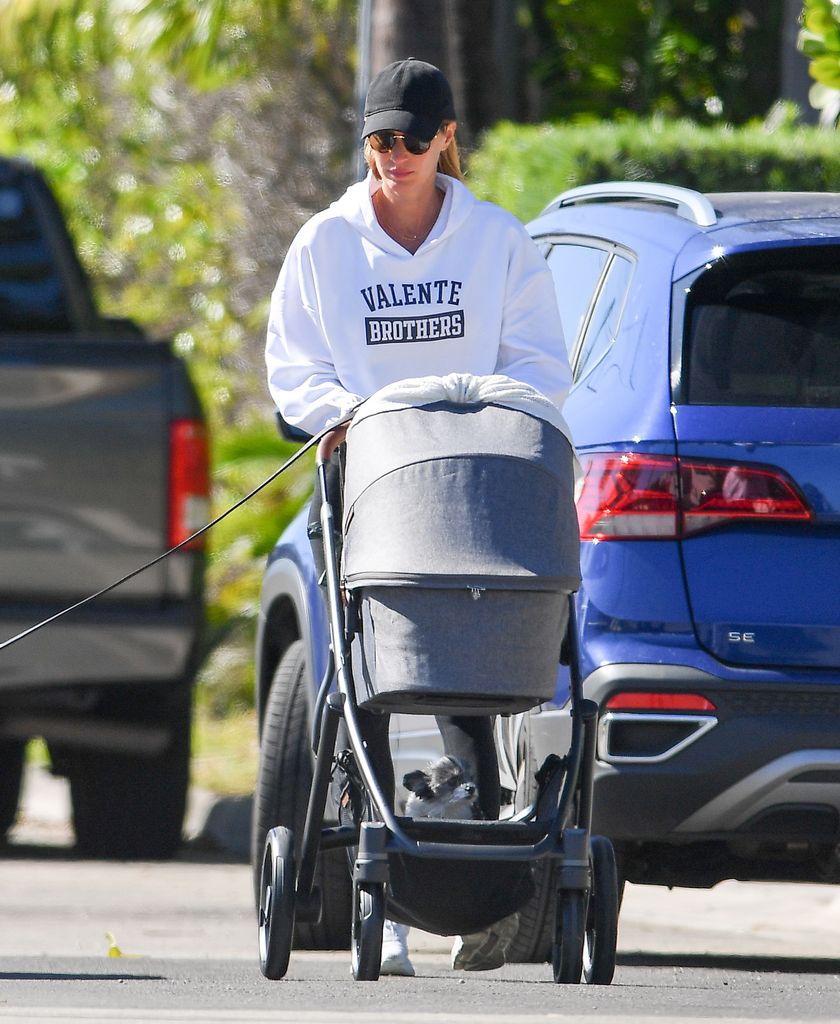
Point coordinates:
[(449, 161)]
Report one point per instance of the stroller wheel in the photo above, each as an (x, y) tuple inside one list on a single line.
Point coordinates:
[(277, 902), (368, 919), (569, 934), (602, 915)]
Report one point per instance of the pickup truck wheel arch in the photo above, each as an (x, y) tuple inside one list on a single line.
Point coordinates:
[(282, 793)]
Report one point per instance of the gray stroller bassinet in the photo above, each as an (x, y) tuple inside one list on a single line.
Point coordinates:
[(461, 543)]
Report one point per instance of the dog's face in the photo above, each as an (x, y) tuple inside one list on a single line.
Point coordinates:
[(444, 790)]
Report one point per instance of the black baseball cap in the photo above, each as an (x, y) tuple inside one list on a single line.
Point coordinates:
[(408, 96)]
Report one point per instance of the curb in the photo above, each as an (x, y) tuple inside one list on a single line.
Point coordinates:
[(219, 823)]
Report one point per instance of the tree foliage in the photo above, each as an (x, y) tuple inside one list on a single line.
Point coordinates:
[(524, 167), (820, 40), (711, 60)]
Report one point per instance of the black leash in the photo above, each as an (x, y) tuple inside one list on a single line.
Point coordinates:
[(198, 533)]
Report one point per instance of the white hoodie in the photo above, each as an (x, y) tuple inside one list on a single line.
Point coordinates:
[(354, 311)]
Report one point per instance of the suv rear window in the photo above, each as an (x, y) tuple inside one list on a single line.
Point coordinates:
[(765, 330)]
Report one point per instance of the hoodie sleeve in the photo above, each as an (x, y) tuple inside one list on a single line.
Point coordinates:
[(302, 377), (532, 348)]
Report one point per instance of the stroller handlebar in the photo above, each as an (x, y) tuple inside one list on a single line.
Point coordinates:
[(330, 441)]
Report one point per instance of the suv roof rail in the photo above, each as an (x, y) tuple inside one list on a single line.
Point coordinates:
[(694, 206)]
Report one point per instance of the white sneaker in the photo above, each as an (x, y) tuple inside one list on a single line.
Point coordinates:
[(395, 950), (485, 950)]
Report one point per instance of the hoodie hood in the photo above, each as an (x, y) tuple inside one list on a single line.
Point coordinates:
[(356, 207)]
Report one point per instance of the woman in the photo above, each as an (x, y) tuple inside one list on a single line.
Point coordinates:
[(408, 275)]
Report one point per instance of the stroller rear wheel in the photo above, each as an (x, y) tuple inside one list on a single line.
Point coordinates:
[(277, 902), (368, 919), (602, 915), (569, 935)]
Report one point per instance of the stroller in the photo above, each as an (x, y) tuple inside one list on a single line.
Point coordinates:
[(453, 596)]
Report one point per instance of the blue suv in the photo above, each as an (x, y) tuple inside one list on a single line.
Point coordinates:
[(704, 336)]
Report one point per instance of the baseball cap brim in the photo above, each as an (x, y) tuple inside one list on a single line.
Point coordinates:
[(421, 128)]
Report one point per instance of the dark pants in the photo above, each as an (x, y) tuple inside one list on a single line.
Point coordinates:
[(468, 737)]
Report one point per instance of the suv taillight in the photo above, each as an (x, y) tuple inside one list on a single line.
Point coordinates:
[(189, 481), (658, 700), (631, 496)]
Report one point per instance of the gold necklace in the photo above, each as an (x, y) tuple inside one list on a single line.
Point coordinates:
[(383, 215)]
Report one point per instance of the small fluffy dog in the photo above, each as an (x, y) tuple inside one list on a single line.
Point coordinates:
[(443, 790)]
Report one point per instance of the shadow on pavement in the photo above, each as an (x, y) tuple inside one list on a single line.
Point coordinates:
[(75, 976), (727, 962)]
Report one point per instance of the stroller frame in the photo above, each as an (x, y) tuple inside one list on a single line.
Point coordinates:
[(556, 826)]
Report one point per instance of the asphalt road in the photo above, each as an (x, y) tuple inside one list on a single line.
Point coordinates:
[(185, 930)]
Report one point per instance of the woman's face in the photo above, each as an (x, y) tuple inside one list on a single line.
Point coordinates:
[(404, 173)]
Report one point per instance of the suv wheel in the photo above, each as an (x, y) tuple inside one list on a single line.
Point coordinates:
[(534, 939), (535, 935), (282, 794)]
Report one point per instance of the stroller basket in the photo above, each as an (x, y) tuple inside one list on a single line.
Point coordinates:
[(460, 548)]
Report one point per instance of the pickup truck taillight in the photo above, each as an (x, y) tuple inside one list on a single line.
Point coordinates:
[(189, 481), (633, 497)]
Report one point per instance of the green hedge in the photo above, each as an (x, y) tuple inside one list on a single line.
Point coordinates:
[(522, 167)]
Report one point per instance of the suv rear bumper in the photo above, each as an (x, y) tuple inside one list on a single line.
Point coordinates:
[(762, 765)]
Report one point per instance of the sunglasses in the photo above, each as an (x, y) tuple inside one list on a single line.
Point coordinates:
[(384, 142)]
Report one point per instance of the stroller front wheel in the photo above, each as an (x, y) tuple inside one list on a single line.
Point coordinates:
[(368, 919), (602, 915), (569, 936), (276, 915)]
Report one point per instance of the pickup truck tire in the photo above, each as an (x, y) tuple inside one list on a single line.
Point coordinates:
[(131, 807), (11, 775), (284, 778)]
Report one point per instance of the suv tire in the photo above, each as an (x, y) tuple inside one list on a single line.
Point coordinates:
[(284, 778), (535, 934)]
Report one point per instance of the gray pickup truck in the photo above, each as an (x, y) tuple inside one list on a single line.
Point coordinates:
[(103, 465)]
